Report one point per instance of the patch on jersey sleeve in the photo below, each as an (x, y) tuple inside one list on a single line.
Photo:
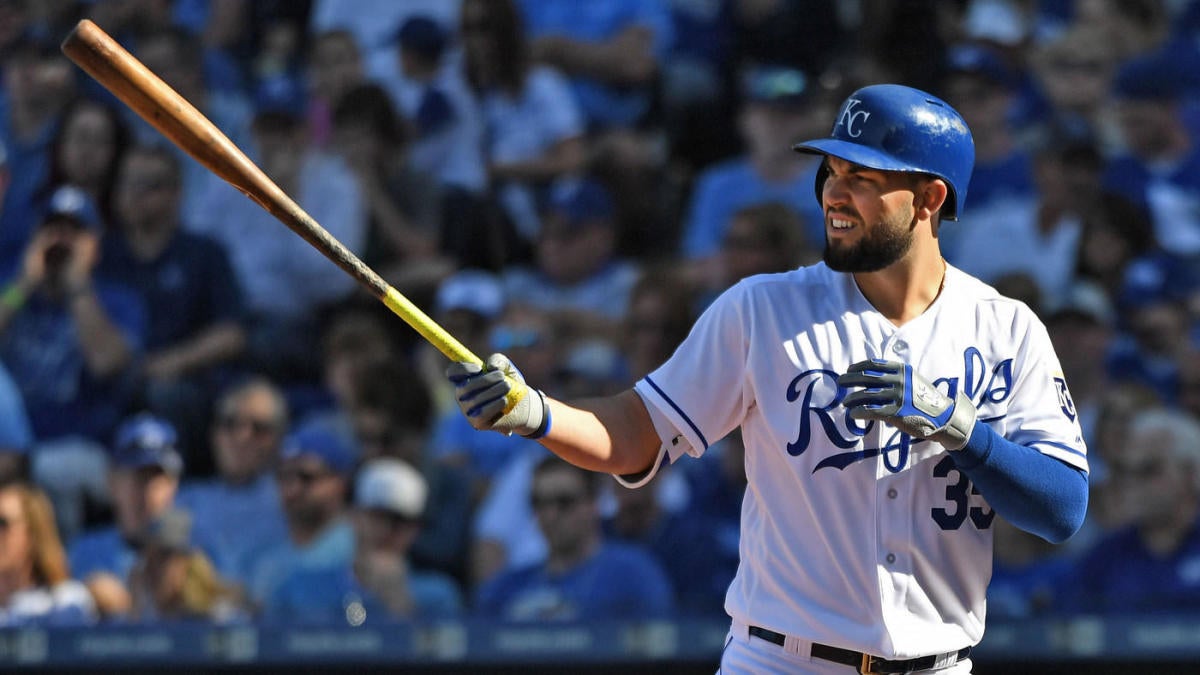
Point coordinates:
[(1064, 398)]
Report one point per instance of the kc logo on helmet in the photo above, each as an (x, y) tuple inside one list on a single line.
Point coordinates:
[(853, 119)]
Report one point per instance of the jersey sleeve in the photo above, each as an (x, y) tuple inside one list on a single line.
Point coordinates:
[(1042, 414)]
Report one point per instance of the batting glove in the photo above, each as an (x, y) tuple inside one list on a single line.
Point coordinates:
[(480, 393), (894, 394)]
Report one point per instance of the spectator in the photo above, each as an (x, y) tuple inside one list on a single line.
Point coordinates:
[(778, 105), (238, 511), (611, 50), (700, 579), (761, 239), (334, 68), (535, 131), (173, 581), (1028, 573), (1073, 72), (1162, 161), (504, 531), (1157, 336), (88, 145), (68, 338), (585, 576), (1116, 235), (403, 205), (36, 587), (193, 303), (373, 24), (285, 281), (981, 85), (314, 476), (37, 86), (579, 277), (391, 418), (467, 304), (1149, 564), (178, 58), (1038, 234), (661, 312), (143, 479), (380, 584)]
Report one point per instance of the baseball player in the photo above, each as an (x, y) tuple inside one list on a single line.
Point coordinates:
[(890, 404)]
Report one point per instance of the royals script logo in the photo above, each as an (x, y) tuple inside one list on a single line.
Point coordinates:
[(820, 398), (853, 119)]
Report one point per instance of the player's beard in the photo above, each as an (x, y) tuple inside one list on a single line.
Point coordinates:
[(881, 246)]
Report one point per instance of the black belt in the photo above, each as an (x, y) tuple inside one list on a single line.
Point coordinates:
[(865, 662)]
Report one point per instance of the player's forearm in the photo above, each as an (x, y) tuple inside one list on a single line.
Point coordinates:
[(609, 435), (1033, 491)]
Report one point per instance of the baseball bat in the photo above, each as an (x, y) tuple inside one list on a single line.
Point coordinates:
[(101, 57)]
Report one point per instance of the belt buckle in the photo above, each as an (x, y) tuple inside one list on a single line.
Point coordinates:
[(867, 667)]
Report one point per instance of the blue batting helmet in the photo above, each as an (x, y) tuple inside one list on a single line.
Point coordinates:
[(894, 128)]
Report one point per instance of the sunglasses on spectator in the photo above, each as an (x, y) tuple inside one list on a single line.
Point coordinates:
[(6, 522), (257, 427), (560, 502)]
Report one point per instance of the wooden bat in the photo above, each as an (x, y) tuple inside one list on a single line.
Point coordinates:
[(128, 79)]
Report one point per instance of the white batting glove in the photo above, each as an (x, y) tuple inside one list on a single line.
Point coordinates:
[(481, 393), (894, 394)]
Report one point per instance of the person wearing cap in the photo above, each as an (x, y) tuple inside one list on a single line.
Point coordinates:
[(314, 474), (391, 413), (143, 478), (380, 584), (776, 102), (578, 275), (68, 336)]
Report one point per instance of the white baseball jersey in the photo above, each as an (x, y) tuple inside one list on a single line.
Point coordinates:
[(853, 534)]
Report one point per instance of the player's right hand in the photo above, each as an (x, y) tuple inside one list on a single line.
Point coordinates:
[(481, 395)]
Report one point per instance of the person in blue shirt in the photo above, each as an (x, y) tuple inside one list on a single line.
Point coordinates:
[(1153, 563), (193, 302), (68, 338), (238, 510), (585, 576), (143, 479), (379, 584)]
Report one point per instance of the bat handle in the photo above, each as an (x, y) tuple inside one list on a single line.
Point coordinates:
[(444, 341)]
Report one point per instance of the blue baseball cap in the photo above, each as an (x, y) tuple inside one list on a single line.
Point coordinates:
[(581, 201), (316, 440), (980, 61), (145, 440), (776, 85), (74, 204)]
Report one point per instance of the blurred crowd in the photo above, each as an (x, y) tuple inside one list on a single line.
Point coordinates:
[(202, 418)]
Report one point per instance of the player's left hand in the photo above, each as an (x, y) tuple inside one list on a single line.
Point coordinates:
[(894, 394)]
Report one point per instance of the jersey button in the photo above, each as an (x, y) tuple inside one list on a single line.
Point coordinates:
[(900, 347), (891, 493), (891, 558)]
